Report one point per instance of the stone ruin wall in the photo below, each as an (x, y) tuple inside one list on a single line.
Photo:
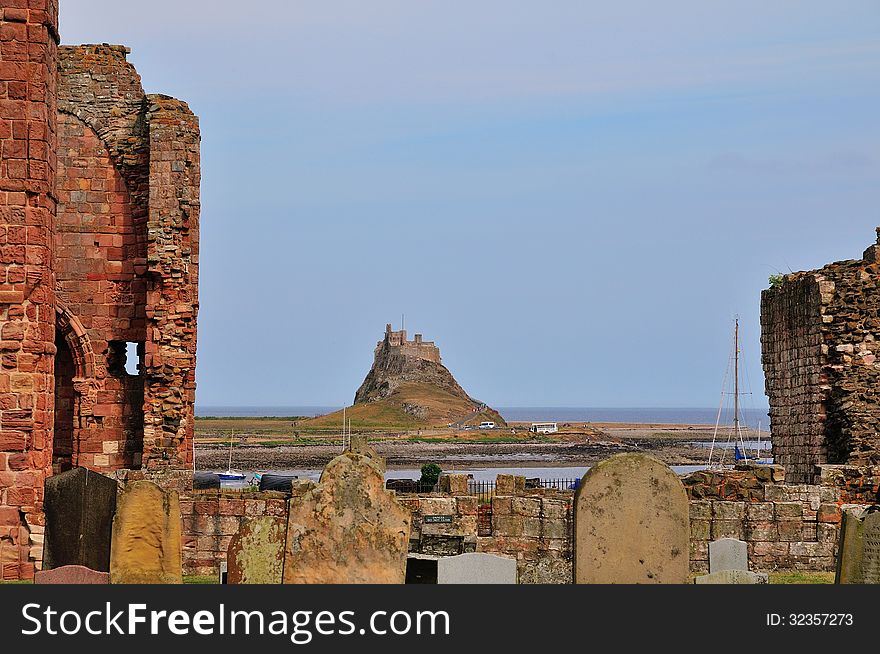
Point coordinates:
[(820, 336), (28, 109), (786, 527), (99, 211)]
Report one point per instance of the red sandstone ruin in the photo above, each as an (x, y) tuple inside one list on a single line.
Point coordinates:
[(99, 216)]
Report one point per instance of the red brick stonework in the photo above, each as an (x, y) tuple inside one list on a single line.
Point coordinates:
[(99, 210)]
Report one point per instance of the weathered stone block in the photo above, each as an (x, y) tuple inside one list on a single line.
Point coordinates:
[(526, 506), (146, 536), (701, 529), (256, 552), (759, 511), (728, 511), (789, 511), (700, 510), (727, 529)]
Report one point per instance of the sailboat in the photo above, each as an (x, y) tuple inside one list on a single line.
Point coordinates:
[(230, 474), (735, 436)]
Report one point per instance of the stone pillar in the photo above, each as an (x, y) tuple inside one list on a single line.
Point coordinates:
[(172, 298), (28, 66)]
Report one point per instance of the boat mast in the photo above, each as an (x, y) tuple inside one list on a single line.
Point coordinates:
[(736, 380), (231, 437)]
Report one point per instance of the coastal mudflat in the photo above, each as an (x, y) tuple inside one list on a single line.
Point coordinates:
[(577, 444)]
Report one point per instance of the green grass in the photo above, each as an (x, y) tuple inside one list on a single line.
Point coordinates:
[(801, 577), (200, 579)]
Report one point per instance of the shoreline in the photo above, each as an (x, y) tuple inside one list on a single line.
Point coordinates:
[(672, 444)]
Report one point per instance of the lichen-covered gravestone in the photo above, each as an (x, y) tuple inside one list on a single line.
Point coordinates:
[(348, 529), (79, 506), (256, 552), (476, 568), (728, 554), (858, 558), (631, 523), (146, 536), (71, 574)]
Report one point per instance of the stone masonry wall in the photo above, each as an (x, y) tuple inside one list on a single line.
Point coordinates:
[(28, 63), (99, 211), (786, 527), (820, 335)]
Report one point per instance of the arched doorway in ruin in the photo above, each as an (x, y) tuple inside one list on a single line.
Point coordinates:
[(75, 387)]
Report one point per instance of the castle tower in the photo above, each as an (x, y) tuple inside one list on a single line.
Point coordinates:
[(28, 64)]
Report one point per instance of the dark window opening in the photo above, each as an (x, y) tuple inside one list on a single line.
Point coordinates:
[(65, 408)]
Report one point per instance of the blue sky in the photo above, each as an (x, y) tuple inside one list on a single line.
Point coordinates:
[(573, 199)]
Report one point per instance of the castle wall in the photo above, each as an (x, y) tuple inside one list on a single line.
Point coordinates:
[(820, 335), (416, 348)]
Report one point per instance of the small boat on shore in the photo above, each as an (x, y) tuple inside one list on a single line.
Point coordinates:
[(230, 474)]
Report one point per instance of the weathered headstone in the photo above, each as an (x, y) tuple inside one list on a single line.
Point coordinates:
[(71, 574), (256, 552), (79, 506), (858, 557), (421, 568), (728, 554), (631, 523), (146, 536), (732, 577), (476, 568), (348, 529)]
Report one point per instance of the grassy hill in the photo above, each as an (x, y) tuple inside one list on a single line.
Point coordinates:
[(412, 405)]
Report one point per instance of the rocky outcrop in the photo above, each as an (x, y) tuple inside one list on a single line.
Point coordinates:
[(408, 384), (393, 366)]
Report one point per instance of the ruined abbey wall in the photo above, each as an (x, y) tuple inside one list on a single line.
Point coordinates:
[(820, 337), (99, 184), (28, 64)]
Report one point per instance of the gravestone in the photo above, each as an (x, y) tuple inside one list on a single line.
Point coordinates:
[(631, 523), (728, 554), (421, 569), (256, 552), (858, 557), (732, 577), (71, 574), (476, 568), (146, 536), (348, 529), (79, 506)]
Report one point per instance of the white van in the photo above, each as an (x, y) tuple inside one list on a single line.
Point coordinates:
[(487, 425)]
